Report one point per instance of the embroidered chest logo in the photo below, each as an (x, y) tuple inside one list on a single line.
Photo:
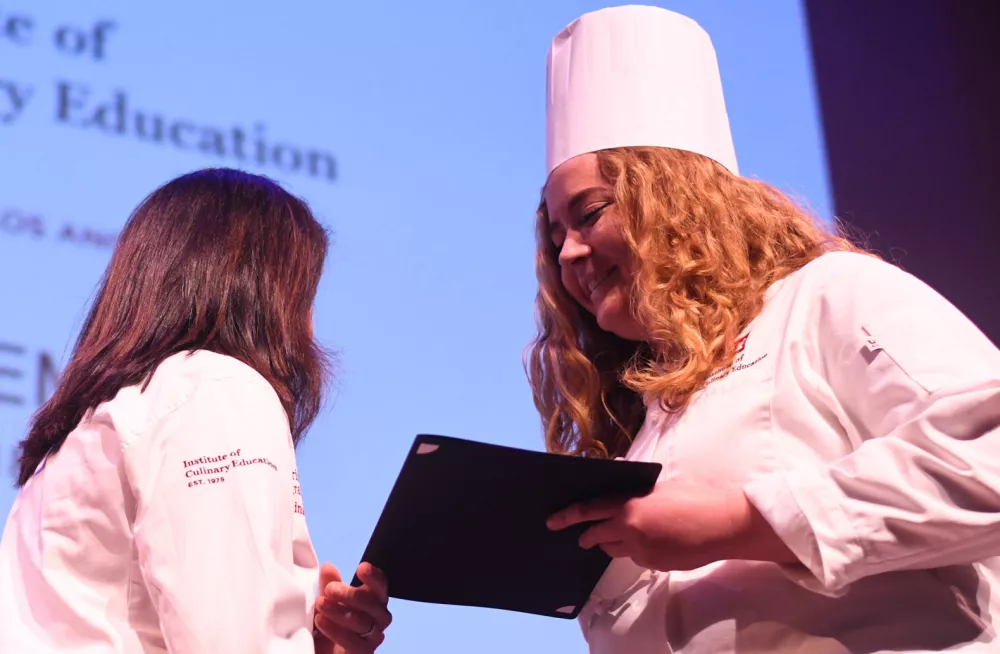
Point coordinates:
[(297, 494), (739, 363), (215, 468)]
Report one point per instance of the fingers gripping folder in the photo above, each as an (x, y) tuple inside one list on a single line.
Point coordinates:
[(465, 525)]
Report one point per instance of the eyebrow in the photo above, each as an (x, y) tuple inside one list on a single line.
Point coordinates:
[(576, 202)]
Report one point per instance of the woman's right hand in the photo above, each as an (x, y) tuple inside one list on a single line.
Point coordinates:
[(351, 620)]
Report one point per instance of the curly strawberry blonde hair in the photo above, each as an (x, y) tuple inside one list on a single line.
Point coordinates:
[(705, 245)]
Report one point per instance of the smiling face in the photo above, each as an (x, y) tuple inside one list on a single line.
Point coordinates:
[(594, 260)]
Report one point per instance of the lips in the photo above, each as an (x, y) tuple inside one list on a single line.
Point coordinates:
[(596, 282)]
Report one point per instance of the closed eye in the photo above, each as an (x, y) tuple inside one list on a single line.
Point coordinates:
[(594, 213)]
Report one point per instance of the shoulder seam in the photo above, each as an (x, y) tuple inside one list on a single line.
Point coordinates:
[(178, 403)]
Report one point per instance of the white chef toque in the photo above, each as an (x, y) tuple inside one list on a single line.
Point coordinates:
[(635, 76)]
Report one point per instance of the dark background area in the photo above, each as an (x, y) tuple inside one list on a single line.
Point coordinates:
[(910, 99)]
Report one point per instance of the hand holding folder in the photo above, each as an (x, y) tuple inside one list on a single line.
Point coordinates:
[(465, 524)]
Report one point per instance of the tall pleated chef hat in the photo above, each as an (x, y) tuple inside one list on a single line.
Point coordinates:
[(635, 76)]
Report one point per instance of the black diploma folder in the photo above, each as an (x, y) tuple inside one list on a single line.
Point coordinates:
[(465, 525)]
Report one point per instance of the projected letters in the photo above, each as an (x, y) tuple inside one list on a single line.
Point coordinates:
[(113, 113), (27, 379), (18, 222)]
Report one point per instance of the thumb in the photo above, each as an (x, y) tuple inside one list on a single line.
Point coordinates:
[(328, 574)]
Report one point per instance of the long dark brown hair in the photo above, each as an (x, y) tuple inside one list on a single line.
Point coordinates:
[(217, 260)]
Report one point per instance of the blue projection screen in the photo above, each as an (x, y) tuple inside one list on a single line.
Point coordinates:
[(416, 132)]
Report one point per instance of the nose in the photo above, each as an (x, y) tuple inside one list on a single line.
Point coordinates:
[(573, 249)]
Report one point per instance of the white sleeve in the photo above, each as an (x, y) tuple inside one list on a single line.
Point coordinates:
[(214, 523), (917, 386)]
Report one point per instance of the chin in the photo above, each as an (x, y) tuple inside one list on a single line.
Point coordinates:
[(613, 315), (617, 324)]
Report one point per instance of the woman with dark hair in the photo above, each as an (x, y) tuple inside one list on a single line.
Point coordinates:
[(159, 506)]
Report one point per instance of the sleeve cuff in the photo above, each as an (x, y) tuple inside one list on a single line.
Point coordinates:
[(804, 512)]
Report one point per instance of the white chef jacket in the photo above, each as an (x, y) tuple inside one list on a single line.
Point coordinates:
[(169, 521), (862, 418)]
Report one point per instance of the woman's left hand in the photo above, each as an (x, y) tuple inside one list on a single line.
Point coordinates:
[(351, 620), (677, 527)]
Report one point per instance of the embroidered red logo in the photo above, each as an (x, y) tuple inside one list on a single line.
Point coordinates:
[(737, 363)]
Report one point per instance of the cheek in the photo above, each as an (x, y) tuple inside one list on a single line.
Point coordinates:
[(607, 241), (570, 284)]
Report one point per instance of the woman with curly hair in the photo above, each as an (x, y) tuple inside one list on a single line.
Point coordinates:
[(828, 425)]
